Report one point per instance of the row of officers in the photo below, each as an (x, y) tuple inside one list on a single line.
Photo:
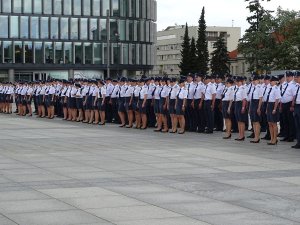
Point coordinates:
[(194, 103)]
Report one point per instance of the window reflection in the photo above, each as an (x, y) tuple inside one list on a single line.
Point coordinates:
[(88, 52), (54, 28), (27, 6), (87, 7), (116, 53), (125, 53), (14, 27), (115, 7), (8, 52), (58, 7), (47, 7), (74, 28), (122, 30), (24, 27), (123, 7), (4, 27), (78, 53), (45, 27), (94, 31), (17, 6), (48, 52), (64, 28), (113, 29), (83, 29), (96, 7), (59, 57), (103, 30), (35, 27), (67, 7), (68, 52), (105, 7), (6, 7), (98, 53), (77, 7), (28, 52), (38, 48), (18, 52), (37, 6)]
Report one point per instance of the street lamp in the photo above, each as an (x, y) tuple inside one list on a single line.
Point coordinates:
[(117, 38), (108, 42)]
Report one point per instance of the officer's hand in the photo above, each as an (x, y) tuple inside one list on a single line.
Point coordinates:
[(200, 106), (212, 107), (243, 110), (193, 105), (259, 112), (274, 112), (110, 102), (292, 109), (229, 111)]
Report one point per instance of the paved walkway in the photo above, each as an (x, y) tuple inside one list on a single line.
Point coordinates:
[(63, 173)]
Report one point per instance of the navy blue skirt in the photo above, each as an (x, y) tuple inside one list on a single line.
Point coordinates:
[(272, 118), (121, 104), (156, 106), (253, 111), (101, 107), (225, 105), (135, 104), (40, 100), (179, 105), (162, 102), (240, 117), (143, 110), (127, 106), (172, 106), (79, 103)]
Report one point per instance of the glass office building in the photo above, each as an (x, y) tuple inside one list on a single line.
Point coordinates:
[(60, 38)]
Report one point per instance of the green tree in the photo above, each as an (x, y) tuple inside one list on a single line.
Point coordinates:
[(185, 53), (202, 49), (193, 57), (219, 59)]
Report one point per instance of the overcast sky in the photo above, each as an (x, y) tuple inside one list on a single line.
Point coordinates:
[(218, 12)]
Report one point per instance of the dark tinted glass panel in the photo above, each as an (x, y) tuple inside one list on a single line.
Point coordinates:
[(131, 30), (18, 52), (27, 6), (115, 7), (87, 7), (122, 30), (103, 30), (132, 11), (98, 53), (48, 52), (133, 54), (59, 56), (6, 7), (37, 4), (58, 7), (78, 53), (77, 7), (24, 33), (116, 53), (144, 54), (47, 7), (68, 52), (105, 7), (125, 53), (83, 29), (35, 29), (64, 28), (17, 6), (45, 27), (144, 8), (38, 48), (8, 51), (28, 52), (123, 8), (88, 50), (96, 7), (113, 29), (74, 28), (14, 27), (4, 27), (137, 8), (54, 28), (67, 7), (147, 31), (94, 31)]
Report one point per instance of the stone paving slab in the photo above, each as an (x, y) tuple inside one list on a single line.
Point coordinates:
[(54, 172)]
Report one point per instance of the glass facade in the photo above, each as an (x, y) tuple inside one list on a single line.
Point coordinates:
[(75, 32)]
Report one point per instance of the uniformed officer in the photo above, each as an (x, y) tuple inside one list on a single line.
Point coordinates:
[(143, 103), (128, 103), (255, 100), (209, 104), (273, 101), (296, 109), (219, 123), (181, 103), (29, 95), (155, 102), (114, 102), (199, 123), (102, 101), (79, 101), (264, 123), (121, 101), (163, 103), (190, 116), (227, 99), (135, 104), (240, 110), (282, 81), (285, 106)]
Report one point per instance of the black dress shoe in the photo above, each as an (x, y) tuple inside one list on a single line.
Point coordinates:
[(290, 140), (228, 137), (266, 138), (255, 142), (285, 139), (240, 139), (251, 136), (208, 132), (297, 146), (280, 135)]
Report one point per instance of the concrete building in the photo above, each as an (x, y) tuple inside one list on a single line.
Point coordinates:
[(169, 45), (71, 38)]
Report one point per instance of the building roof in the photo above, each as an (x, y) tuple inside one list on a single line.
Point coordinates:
[(233, 54)]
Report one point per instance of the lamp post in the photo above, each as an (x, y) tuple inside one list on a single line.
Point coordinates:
[(117, 38), (108, 42)]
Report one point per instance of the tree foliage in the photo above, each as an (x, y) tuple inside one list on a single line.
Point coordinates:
[(193, 57), (185, 53), (219, 59)]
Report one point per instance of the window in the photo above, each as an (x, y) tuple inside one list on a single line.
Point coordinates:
[(37, 6), (103, 30), (58, 7), (4, 27), (116, 53), (144, 8), (14, 27), (125, 53), (132, 10), (105, 7), (38, 49), (77, 7), (87, 7), (133, 54), (35, 27), (59, 57), (94, 31), (18, 52), (122, 30), (78, 53), (47, 7), (28, 52), (74, 28), (88, 53), (114, 31), (83, 29), (115, 7), (17, 6), (6, 7), (64, 28), (147, 31), (96, 7), (8, 51), (68, 52), (45, 27), (54, 28), (24, 27), (138, 6), (27, 6), (98, 53), (67, 7), (48, 52), (131, 30)]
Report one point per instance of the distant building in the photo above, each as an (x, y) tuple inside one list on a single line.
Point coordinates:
[(169, 45), (238, 64)]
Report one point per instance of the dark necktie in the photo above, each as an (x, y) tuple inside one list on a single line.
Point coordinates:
[(224, 93), (236, 93), (269, 94), (265, 90), (179, 93), (282, 94), (297, 92), (253, 93)]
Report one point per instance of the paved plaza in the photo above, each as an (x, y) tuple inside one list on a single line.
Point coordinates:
[(54, 172)]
